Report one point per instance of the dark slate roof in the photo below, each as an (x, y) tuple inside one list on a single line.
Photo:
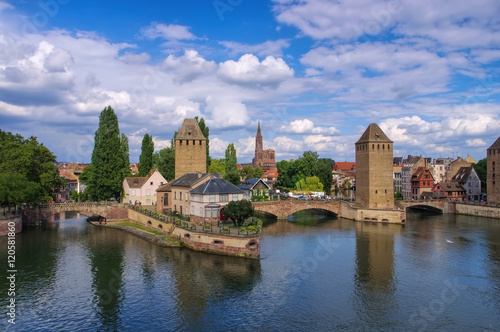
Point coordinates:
[(374, 134), (496, 145), (188, 179), (190, 130), (216, 186), (462, 175), (249, 184)]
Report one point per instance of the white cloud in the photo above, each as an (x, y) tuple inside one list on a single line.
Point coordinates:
[(129, 57), (270, 47), (248, 70), (306, 126), (476, 142), (167, 31), (189, 66), (226, 113)]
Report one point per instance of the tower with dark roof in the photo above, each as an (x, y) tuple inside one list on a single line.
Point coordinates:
[(493, 164), (374, 175), (190, 149)]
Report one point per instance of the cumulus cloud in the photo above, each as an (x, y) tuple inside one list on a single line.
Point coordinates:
[(306, 126), (270, 47), (129, 57), (226, 113), (476, 142), (167, 31), (189, 66), (248, 70)]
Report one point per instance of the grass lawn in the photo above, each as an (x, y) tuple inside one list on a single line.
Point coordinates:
[(144, 228)]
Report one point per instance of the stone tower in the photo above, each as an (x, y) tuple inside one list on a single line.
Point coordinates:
[(493, 164), (190, 149), (374, 175)]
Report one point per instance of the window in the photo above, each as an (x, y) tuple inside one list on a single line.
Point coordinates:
[(192, 210), (223, 198), (211, 212), (180, 195), (132, 192), (201, 212), (212, 198), (235, 197), (151, 183), (148, 192)]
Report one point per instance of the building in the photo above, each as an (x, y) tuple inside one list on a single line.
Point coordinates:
[(208, 199), (265, 159), (455, 166), (450, 190), (179, 191), (422, 182), (440, 167), (410, 166), (255, 188), (270, 176), (374, 175), (493, 181), (164, 199), (343, 174), (142, 190), (190, 149), (470, 181)]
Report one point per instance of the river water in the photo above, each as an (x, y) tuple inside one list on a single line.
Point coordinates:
[(436, 273)]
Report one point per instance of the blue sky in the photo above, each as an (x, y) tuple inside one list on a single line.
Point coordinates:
[(314, 73)]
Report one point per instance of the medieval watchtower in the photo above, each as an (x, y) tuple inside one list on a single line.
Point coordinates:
[(493, 164), (190, 149), (374, 174)]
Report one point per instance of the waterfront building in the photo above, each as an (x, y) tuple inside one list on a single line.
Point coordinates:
[(410, 166), (164, 199), (343, 174), (263, 158), (470, 181), (449, 189), (180, 187), (422, 182), (374, 175), (142, 190), (493, 163), (190, 149), (208, 199)]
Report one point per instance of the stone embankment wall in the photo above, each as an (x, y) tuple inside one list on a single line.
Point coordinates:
[(478, 210), (228, 245), (248, 247), (6, 224)]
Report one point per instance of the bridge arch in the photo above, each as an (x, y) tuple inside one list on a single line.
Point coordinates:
[(283, 209)]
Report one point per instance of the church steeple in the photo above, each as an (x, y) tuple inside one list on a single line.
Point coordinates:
[(258, 140)]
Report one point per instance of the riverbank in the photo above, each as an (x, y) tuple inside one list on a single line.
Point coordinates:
[(142, 232)]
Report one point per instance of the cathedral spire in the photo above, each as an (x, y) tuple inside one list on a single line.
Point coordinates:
[(258, 139)]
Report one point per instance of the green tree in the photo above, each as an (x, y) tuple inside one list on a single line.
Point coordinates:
[(250, 172), (308, 164), (480, 169), (217, 166), (287, 174), (146, 158), (325, 166), (238, 211), (310, 183), (164, 160), (232, 174), (126, 156), (15, 188), (206, 131), (105, 180), (33, 161)]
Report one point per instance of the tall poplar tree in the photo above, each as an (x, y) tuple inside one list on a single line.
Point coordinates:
[(164, 160), (126, 156), (232, 175), (146, 158), (108, 159)]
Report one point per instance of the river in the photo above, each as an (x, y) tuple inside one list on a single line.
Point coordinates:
[(436, 273)]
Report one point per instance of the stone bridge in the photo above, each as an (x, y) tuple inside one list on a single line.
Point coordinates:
[(33, 216), (282, 209), (441, 205)]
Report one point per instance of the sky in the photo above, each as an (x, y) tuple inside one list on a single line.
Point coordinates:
[(313, 73)]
